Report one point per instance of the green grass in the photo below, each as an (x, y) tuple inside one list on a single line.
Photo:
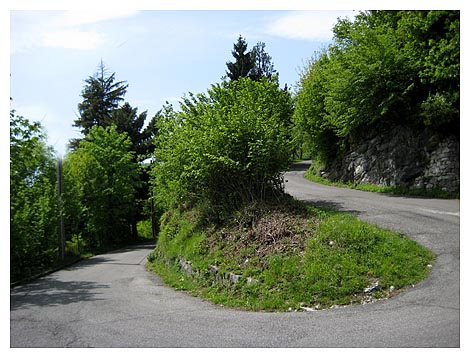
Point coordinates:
[(297, 254), (396, 190)]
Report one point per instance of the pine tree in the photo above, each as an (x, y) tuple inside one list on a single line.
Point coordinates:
[(255, 64), (101, 96), (101, 108), (128, 121), (243, 60)]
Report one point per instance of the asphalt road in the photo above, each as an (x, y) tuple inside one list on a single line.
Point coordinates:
[(112, 301)]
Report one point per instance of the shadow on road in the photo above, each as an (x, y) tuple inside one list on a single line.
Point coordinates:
[(148, 245), (331, 205), (301, 166), (51, 292), (92, 261)]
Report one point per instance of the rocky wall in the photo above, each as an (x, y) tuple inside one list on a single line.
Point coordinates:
[(404, 157)]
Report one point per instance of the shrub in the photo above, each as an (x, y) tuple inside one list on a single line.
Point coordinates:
[(224, 148)]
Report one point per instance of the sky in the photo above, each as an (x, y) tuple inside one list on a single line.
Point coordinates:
[(161, 54)]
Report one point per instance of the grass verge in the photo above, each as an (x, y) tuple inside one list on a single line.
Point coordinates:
[(396, 190), (285, 256)]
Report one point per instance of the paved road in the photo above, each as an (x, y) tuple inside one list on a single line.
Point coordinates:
[(112, 301)]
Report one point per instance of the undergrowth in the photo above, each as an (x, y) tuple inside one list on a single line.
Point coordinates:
[(285, 256)]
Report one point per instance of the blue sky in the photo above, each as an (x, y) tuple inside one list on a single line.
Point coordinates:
[(161, 54)]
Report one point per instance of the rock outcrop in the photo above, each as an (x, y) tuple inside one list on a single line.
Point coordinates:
[(402, 157)]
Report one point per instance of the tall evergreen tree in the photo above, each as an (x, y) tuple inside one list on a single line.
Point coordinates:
[(101, 108), (128, 121), (243, 60), (255, 64), (101, 95)]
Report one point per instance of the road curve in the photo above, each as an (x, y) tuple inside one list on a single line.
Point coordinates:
[(112, 301)]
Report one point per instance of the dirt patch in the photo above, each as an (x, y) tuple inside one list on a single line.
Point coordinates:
[(260, 230)]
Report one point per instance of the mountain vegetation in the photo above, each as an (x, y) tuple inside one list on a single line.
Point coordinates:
[(383, 69), (212, 170), (224, 148), (33, 199)]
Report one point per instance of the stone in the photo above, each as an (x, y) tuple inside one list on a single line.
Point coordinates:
[(398, 156), (251, 281), (186, 266), (372, 288), (213, 269), (233, 278)]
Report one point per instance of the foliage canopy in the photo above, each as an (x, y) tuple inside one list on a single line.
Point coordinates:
[(100, 176), (33, 199), (383, 69)]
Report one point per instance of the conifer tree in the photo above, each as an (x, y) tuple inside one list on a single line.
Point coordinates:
[(255, 64), (101, 95), (243, 60)]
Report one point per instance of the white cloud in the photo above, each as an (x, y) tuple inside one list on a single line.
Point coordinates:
[(64, 29), (73, 39), (74, 18), (307, 25)]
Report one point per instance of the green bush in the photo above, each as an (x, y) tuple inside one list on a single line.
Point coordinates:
[(224, 148), (144, 229), (76, 246)]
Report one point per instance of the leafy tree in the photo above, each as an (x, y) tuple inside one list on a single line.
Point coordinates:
[(262, 64), (310, 111), (432, 45), (101, 176), (33, 199), (224, 148), (367, 81)]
